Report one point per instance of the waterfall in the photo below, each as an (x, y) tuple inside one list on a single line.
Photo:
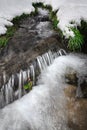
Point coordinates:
[(47, 59), (45, 107), (14, 88)]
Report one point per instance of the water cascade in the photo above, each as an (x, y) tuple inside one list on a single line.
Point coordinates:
[(45, 107), (14, 88)]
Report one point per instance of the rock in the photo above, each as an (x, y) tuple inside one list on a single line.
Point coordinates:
[(77, 109), (83, 86), (71, 76), (80, 82)]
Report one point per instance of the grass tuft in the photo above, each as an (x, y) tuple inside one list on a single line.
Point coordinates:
[(5, 38), (75, 43)]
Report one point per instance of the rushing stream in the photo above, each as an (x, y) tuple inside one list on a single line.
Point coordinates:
[(44, 108)]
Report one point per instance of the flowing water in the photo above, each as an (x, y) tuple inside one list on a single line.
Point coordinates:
[(44, 108), (14, 88)]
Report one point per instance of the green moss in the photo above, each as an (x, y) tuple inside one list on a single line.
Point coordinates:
[(10, 31), (17, 19), (3, 41), (5, 38), (53, 18), (28, 86), (75, 43), (55, 22)]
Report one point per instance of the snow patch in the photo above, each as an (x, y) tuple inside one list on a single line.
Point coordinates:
[(69, 10)]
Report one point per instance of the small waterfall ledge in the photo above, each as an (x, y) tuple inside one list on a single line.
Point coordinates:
[(13, 89)]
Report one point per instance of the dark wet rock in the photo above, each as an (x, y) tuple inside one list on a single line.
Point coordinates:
[(80, 82), (77, 109), (83, 85), (34, 37), (84, 46), (71, 78)]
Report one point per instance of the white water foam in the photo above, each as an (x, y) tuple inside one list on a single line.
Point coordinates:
[(44, 108)]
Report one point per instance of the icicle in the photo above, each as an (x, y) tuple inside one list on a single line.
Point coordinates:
[(44, 61), (20, 84), (10, 88), (12, 81), (2, 98), (7, 94), (39, 63), (28, 73), (32, 73), (50, 57), (62, 52), (24, 76), (4, 77)]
